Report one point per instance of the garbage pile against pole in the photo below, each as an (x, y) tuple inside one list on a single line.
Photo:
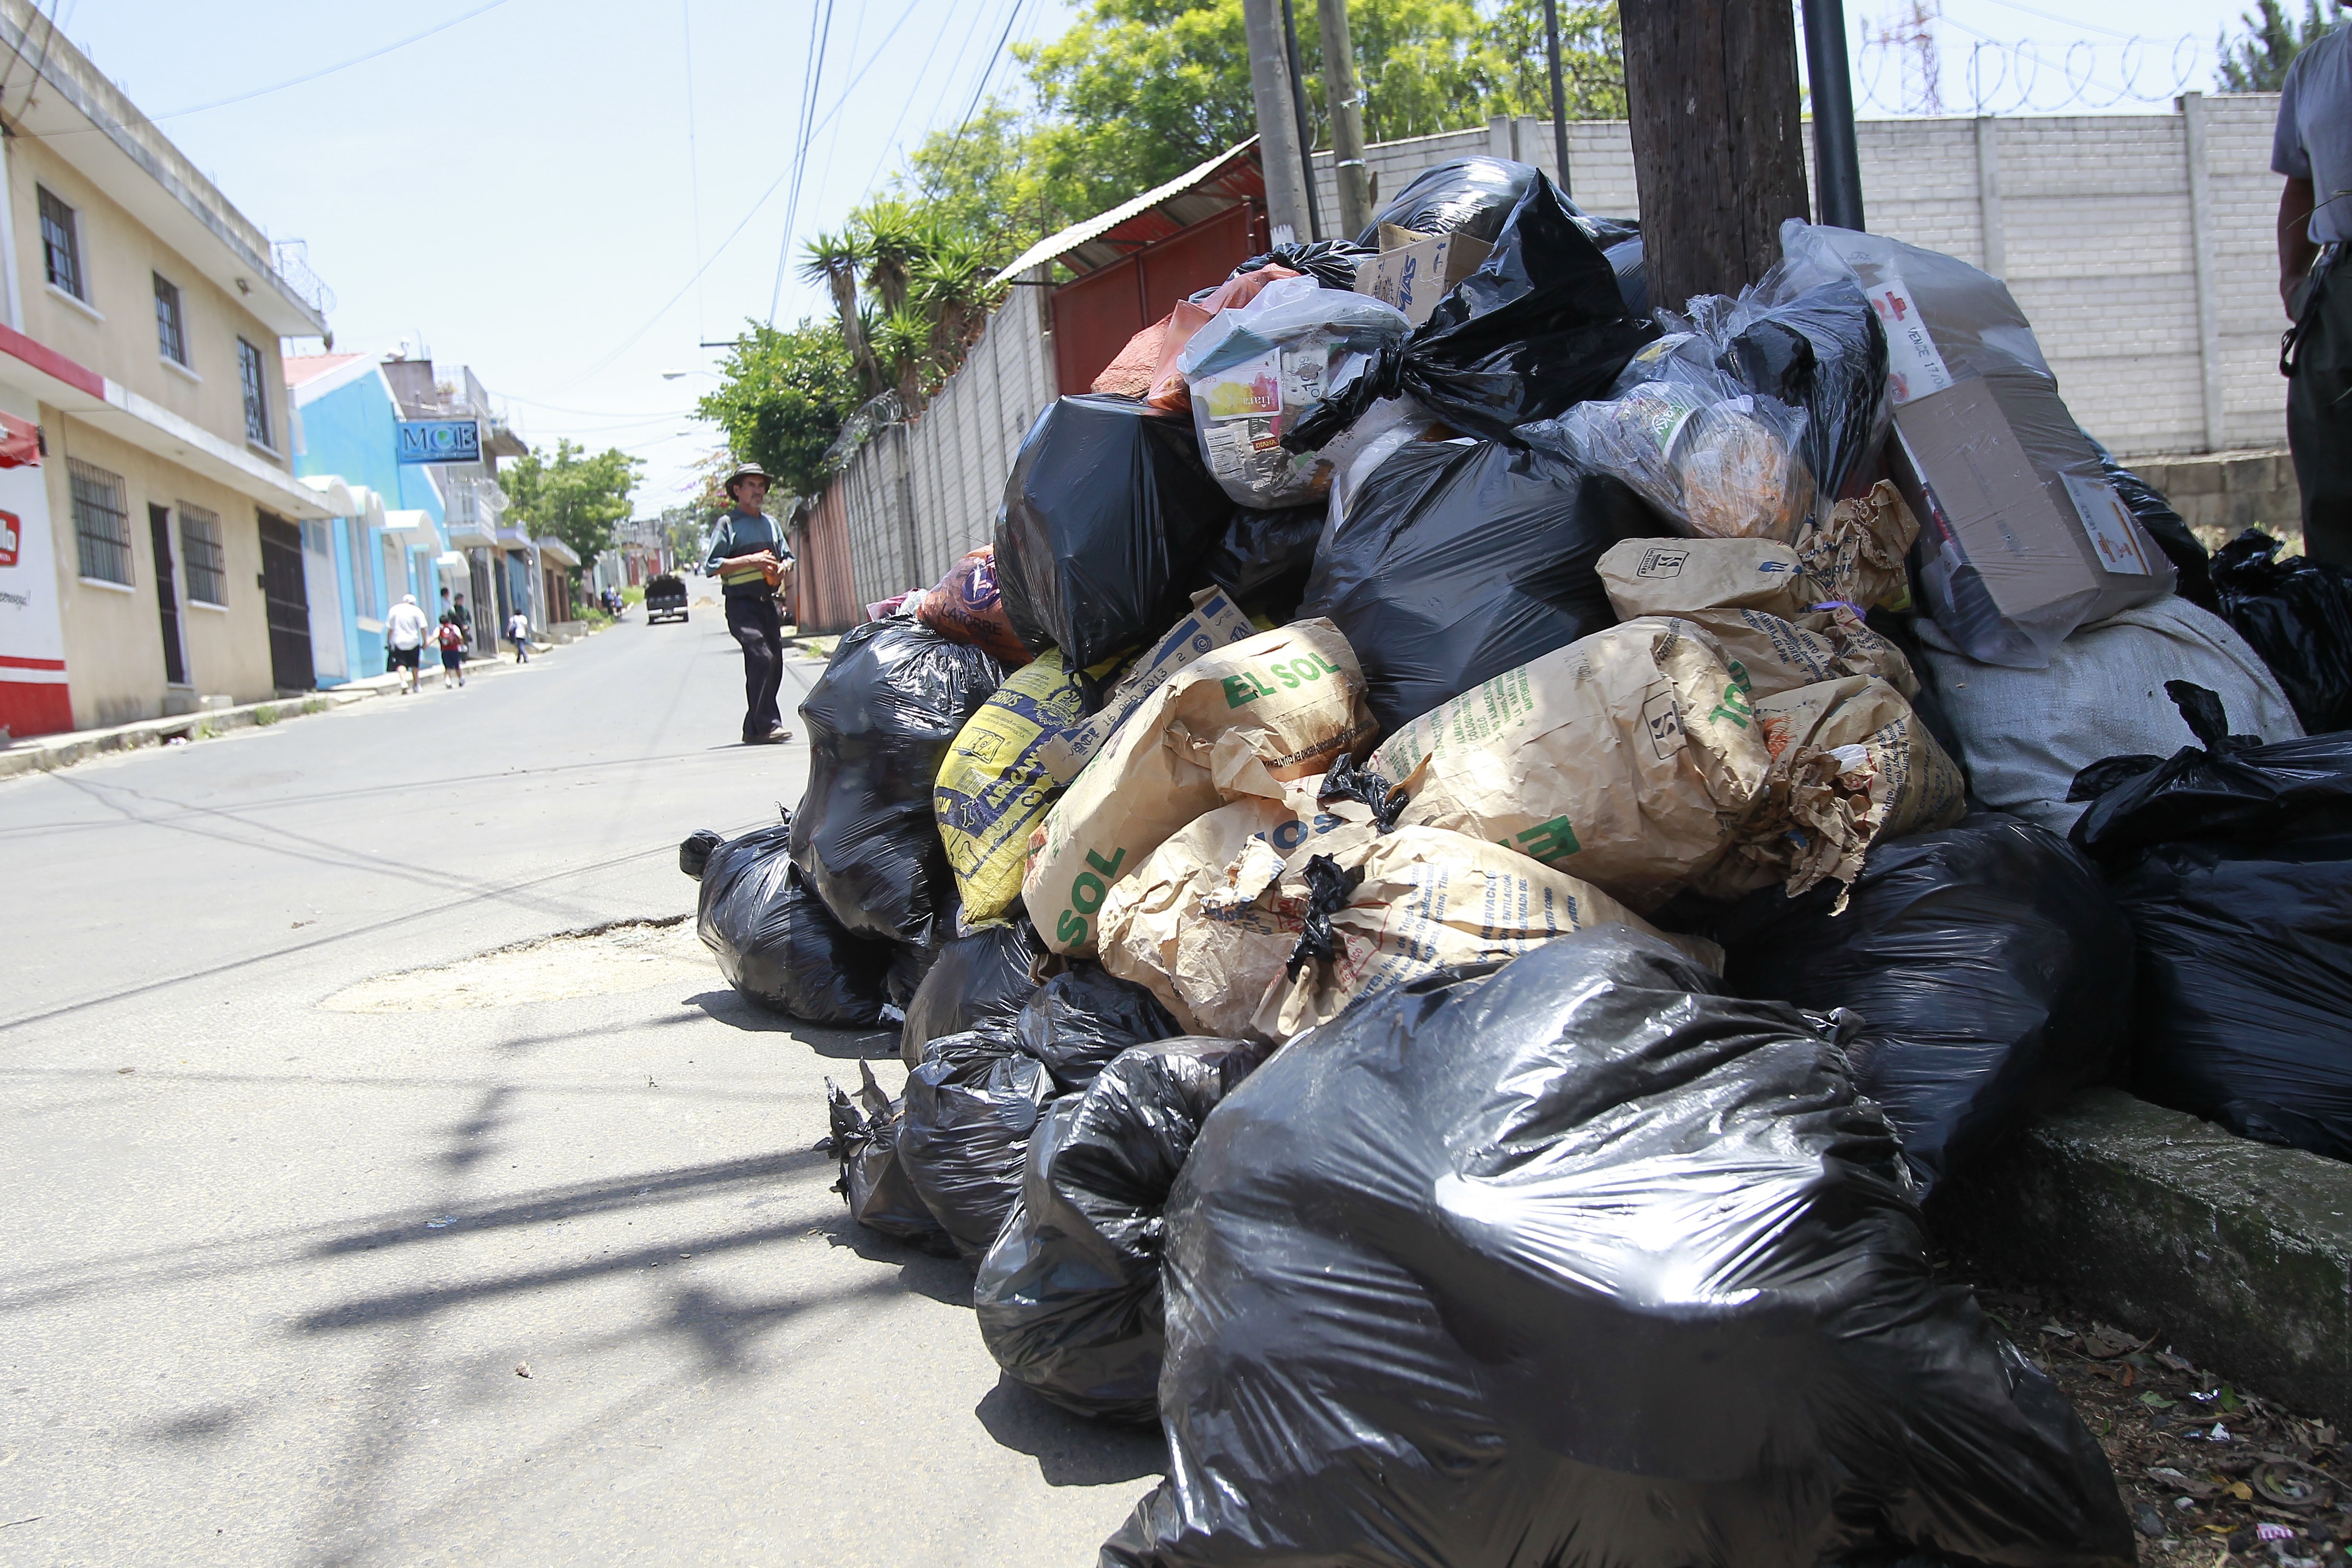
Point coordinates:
[(1580, 1260)]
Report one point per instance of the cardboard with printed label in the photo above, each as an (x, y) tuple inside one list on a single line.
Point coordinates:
[(1413, 271), (1241, 720)]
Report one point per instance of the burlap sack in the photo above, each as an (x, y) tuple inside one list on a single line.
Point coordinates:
[(1852, 763), (1628, 758), (1204, 922), (1241, 720), (1429, 899)]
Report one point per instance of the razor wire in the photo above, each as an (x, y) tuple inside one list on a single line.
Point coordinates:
[(2030, 76)]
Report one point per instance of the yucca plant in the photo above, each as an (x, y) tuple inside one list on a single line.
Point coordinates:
[(835, 261)]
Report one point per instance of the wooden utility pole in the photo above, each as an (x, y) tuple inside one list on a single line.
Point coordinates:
[(1347, 103), (1277, 124), (1718, 146)]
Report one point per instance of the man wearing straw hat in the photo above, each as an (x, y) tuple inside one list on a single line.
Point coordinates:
[(749, 559)]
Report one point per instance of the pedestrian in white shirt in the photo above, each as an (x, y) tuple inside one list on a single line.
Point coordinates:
[(404, 632), (518, 633)]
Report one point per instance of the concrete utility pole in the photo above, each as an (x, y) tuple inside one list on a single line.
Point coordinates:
[(1295, 78), (1718, 147), (1346, 105), (1558, 94), (1837, 166), (1277, 126)]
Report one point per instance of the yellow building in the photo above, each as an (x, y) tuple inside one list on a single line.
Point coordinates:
[(151, 552)]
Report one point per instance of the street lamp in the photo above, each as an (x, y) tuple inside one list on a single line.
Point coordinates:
[(674, 374)]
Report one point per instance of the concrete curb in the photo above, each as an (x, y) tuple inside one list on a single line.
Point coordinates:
[(47, 753), (2239, 1254)]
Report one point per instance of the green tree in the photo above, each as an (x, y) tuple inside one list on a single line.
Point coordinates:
[(2257, 62), (783, 397), (573, 496)]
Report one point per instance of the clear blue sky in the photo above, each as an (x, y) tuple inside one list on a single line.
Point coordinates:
[(527, 190)]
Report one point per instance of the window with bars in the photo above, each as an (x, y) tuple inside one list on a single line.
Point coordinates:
[(201, 556), (101, 522), (256, 396), (171, 335), (60, 243)]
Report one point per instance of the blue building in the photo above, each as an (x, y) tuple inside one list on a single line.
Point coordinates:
[(429, 528)]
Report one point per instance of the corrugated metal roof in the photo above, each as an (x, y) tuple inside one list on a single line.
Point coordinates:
[(1230, 177)]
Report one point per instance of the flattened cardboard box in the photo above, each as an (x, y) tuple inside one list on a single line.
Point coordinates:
[(2037, 540), (1415, 276)]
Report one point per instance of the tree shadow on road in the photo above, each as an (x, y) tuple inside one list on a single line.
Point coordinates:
[(1070, 1450), (842, 1045)]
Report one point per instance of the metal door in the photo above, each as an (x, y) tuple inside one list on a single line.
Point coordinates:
[(167, 601), (289, 605)]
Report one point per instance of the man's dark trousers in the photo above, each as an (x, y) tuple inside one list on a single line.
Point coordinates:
[(755, 620), (2319, 414)]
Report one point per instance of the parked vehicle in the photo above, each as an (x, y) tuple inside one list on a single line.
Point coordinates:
[(664, 598)]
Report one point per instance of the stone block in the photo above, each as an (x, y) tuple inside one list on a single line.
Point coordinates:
[(2237, 1255)]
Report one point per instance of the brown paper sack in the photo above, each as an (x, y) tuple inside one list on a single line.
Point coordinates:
[(1429, 899), (1853, 556), (1852, 763), (1628, 758), (1205, 923), (1241, 721)]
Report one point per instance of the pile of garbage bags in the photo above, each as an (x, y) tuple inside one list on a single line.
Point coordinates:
[(1470, 854)]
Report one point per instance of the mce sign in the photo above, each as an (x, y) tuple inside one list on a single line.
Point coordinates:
[(440, 441)]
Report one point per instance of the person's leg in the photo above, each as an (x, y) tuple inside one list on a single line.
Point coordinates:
[(746, 625), (2319, 418), (765, 719)]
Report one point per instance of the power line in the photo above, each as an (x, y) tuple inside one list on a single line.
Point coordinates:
[(693, 161), (800, 155), (990, 69)]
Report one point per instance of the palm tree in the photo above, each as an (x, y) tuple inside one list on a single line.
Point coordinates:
[(953, 284), (835, 261), (894, 241)]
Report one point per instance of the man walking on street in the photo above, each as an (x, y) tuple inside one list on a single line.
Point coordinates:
[(748, 557), (518, 633), (2313, 148), (403, 631)]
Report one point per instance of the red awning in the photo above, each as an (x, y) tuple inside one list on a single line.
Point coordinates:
[(20, 443)]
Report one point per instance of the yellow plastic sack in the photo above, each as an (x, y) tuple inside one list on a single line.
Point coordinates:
[(994, 786)]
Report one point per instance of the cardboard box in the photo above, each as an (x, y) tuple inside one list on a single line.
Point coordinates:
[(1414, 274), (2048, 544)]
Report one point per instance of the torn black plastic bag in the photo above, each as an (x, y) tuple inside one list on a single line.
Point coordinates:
[(964, 1135), (1985, 962), (2297, 613), (1081, 1018), (876, 1187), (1579, 1262), (879, 720), (1068, 1299), (1539, 328), (1458, 561), (978, 980), (776, 942), (1106, 515), (2233, 861)]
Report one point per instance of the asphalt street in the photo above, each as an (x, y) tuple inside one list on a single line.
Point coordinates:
[(417, 1273)]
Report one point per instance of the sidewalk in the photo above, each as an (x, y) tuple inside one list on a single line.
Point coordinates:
[(47, 753)]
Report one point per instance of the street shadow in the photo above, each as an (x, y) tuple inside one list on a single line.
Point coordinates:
[(209, 1424), (729, 1007), (942, 1276), (1070, 1450)]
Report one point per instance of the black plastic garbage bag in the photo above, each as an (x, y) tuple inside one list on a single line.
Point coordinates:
[(776, 942), (1581, 1262), (1986, 962), (1539, 328), (1083, 1017), (1105, 517), (693, 851), (872, 1181), (1823, 350), (1629, 259), (1068, 1299), (978, 980), (964, 1133), (1457, 562), (1331, 262), (879, 720), (1265, 558), (1465, 195), (2296, 614), (2233, 861)]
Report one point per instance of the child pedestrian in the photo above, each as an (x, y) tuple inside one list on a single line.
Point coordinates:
[(453, 653)]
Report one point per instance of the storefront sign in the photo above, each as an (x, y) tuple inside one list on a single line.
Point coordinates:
[(440, 441), (34, 698)]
